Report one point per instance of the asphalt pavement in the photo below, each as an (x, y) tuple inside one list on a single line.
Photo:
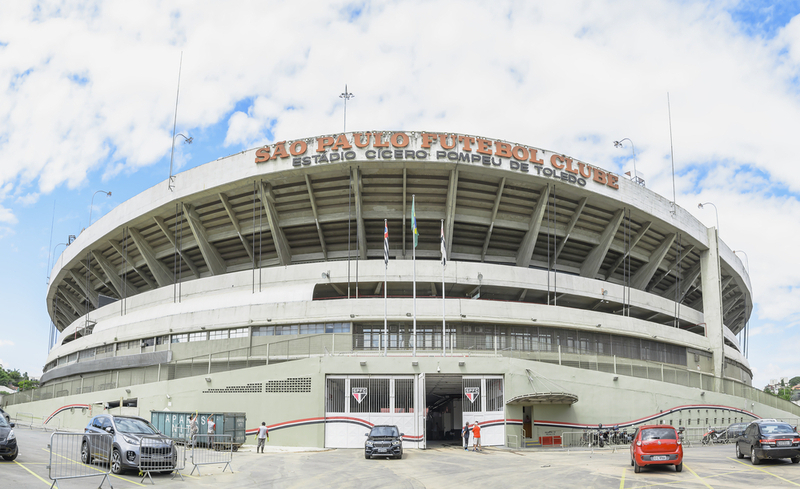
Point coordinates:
[(441, 466)]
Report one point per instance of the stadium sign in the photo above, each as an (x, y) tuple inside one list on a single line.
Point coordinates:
[(428, 146)]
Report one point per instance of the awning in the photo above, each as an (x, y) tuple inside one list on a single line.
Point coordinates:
[(544, 398)]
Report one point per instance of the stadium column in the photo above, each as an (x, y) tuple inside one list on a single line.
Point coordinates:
[(712, 303)]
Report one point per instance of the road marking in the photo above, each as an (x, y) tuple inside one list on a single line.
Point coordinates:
[(698, 477), (762, 470), (32, 472), (622, 482)]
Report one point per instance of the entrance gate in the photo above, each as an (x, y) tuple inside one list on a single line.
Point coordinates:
[(355, 403), (483, 403)]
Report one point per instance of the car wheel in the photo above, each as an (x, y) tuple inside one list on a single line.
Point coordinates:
[(679, 467), (753, 459), (637, 468), (116, 462), (631, 462), (366, 455), (86, 456), (795, 460), (739, 452), (12, 456)]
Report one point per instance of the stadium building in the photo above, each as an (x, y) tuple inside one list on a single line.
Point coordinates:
[(283, 282)]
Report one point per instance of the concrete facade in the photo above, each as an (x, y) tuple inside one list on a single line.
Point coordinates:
[(267, 266)]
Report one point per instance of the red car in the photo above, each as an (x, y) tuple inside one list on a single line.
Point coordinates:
[(656, 445)]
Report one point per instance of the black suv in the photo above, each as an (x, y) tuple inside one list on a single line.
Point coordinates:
[(769, 440), (383, 441)]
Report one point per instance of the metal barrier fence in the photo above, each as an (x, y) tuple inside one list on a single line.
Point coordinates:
[(571, 439), (211, 450), (72, 454), (161, 454), (509, 443), (31, 421)]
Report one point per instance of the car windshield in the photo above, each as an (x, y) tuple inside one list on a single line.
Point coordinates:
[(133, 425), (658, 434), (384, 431), (775, 429)]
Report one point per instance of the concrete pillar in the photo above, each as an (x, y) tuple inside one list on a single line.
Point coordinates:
[(712, 302)]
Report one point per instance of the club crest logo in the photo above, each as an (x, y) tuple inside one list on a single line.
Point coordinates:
[(359, 393), (472, 393)]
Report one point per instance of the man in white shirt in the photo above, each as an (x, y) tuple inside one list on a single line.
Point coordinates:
[(263, 435)]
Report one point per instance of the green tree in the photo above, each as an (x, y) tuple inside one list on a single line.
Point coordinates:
[(794, 381), (25, 385)]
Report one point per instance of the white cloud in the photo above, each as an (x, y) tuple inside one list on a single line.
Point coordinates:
[(6, 343)]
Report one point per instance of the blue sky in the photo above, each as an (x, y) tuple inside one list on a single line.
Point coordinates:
[(89, 94)]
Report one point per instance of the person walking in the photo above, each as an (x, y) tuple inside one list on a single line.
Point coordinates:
[(476, 433), (263, 435), (465, 435)]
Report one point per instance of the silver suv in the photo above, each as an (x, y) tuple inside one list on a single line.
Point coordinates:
[(122, 448)]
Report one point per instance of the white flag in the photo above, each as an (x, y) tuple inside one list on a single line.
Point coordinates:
[(444, 248)]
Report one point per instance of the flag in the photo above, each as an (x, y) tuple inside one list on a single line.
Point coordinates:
[(385, 243), (414, 229), (444, 247)]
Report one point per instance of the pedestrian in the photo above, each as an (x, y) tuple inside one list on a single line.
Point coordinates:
[(211, 430), (262, 436), (476, 433), (465, 435), (193, 429)]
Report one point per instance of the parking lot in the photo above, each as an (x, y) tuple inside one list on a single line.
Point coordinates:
[(438, 467)]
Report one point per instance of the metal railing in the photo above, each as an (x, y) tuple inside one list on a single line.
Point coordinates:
[(161, 454), (509, 443), (212, 450), (29, 420), (345, 344), (72, 456)]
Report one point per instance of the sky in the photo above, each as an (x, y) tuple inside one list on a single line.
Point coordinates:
[(88, 91)]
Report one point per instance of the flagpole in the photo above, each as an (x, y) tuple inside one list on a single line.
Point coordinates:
[(444, 264), (414, 266), (385, 294)]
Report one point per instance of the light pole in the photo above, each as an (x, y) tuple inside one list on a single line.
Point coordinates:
[(51, 265), (172, 153), (747, 259), (716, 214), (91, 207), (618, 144), (346, 96)]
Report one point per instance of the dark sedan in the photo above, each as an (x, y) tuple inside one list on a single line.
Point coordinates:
[(769, 440), (8, 441), (735, 430)]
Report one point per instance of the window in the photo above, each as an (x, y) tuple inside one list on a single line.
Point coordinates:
[(239, 333), (263, 331), (201, 336), (180, 338), (312, 328), (221, 334), (148, 342), (337, 328), (162, 340), (87, 353)]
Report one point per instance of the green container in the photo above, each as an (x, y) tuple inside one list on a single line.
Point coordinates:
[(175, 424)]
